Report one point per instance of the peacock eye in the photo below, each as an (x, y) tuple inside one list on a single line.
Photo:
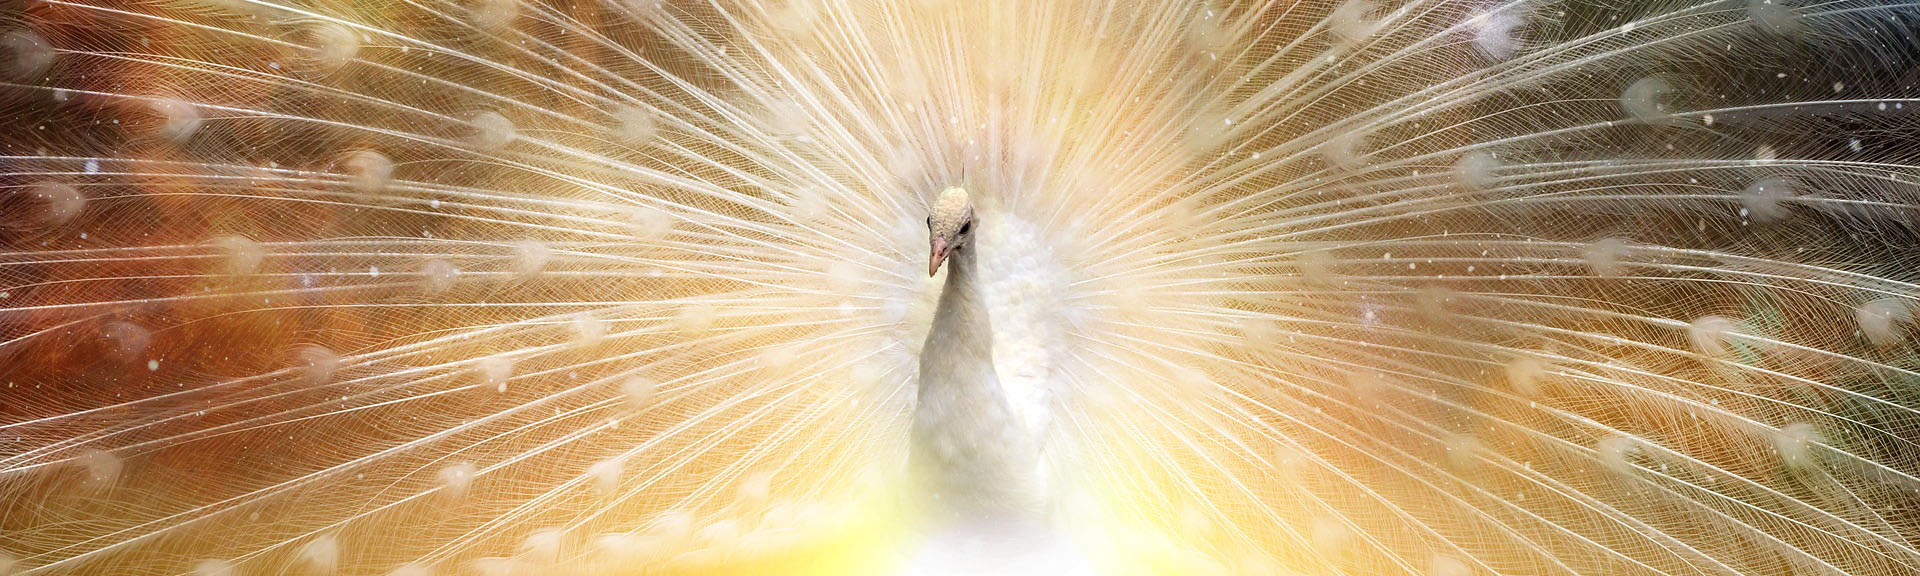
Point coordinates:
[(929, 222), (968, 227)]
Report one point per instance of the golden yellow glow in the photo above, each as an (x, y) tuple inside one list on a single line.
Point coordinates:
[(1363, 287)]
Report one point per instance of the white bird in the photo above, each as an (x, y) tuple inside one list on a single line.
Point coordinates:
[(975, 462), (973, 457)]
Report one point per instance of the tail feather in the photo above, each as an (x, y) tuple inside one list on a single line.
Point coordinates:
[(1431, 287)]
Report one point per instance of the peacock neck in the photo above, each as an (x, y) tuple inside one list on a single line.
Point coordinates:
[(971, 453), (961, 322)]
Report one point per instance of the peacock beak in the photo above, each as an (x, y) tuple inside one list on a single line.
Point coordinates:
[(940, 248)]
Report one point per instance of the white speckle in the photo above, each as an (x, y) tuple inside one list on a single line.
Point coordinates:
[(27, 57), (1329, 535), (605, 475), (1493, 32), (1448, 566), (638, 391), (648, 222), (1794, 442), (493, 14), (1709, 334), (493, 371), (102, 467), (756, 489), (332, 45), (1476, 170), (126, 339), (1352, 22), (1645, 99), (412, 570), (153, 365), (1524, 374), (697, 316), (368, 171), (213, 568), (1774, 18), (1347, 149), (1616, 452), (588, 330), (437, 276), (243, 255), (321, 555), (60, 202), (530, 257), (318, 363), (494, 566), (1883, 321), (1766, 199), (456, 478), (1603, 256), (179, 119), (491, 131), (634, 125), (543, 546)]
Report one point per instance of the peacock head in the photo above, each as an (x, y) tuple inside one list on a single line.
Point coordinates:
[(950, 225)]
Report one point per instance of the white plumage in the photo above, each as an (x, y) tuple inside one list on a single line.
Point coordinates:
[(976, 453), (974, 458)]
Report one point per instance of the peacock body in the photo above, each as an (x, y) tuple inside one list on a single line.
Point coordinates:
[(973, 456), (504, 287)]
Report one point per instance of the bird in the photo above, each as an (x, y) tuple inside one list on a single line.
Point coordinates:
[(976, 463), (972, 452), (1247, 287)]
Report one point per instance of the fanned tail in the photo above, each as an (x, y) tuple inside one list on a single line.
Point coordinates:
[(1430, 287)]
